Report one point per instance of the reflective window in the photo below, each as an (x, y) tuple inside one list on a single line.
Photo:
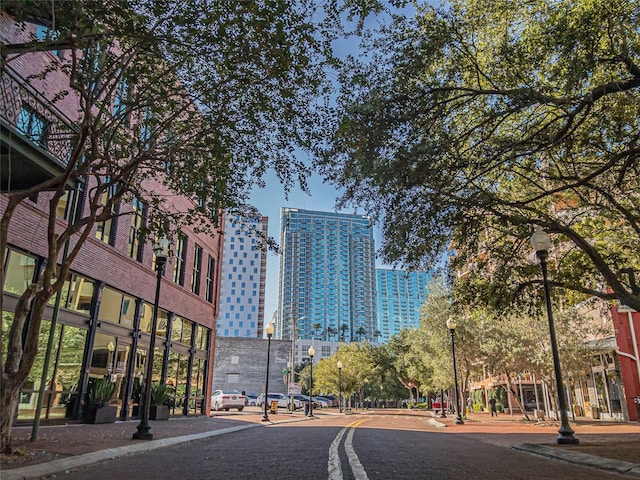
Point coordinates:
[(20, 269)]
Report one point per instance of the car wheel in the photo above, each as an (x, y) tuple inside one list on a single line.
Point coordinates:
[(240, 409), (226, 409)]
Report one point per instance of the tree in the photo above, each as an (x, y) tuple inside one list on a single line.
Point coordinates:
[(360, 331), (357, 365), (201, 99), (316, 328), (344, 328), (476, 120), (332, 332)]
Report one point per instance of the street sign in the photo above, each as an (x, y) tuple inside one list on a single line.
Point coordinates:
[(285, 371), (295, 389)]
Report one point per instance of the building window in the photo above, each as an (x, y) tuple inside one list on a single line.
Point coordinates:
[(45, 34), (33, 125), (181, 252), (120, 99), (105, 231), (197, 269), (138, 217), (211, 265)]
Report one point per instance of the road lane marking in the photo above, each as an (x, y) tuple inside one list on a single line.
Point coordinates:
[(335, 469), (356, 467), (334, 465)]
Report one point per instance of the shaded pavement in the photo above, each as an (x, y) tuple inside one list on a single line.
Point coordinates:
[(607, 445)]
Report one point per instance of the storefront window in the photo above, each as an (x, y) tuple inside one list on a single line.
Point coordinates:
[(110, 305), (181, 330), (62, 376), (202, 336), (177, 377), (145, 320), (20, 270), (116, 307)]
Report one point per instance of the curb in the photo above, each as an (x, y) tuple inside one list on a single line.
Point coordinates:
[(584, 459), (77, 461)]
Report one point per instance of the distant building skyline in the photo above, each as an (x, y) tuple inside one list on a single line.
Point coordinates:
[(327, 283), (400, 294), (242, 286)]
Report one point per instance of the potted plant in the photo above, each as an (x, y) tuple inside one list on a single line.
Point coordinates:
[(99, 411), (160, 396)]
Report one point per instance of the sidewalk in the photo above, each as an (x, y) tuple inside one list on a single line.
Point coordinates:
[(607, 445)]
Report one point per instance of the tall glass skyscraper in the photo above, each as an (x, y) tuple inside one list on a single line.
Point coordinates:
[(327, 276), (400, 295)]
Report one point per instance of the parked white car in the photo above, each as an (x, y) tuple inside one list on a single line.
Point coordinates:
[(282, 399), (226, 399)]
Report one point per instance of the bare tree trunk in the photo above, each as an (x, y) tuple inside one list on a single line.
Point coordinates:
[(8, 403), (514, 394), (20, 357)]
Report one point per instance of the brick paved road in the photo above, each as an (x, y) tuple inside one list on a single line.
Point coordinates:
[(376, 446)]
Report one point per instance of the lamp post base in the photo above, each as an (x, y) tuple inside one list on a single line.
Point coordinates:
[(143, 433), (265, 418), (458, 421), (566, 436)]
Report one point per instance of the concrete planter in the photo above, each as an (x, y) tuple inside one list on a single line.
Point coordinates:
[(106, 414), (159, 412)]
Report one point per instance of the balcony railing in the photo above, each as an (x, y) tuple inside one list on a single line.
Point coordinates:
[(34, 117)]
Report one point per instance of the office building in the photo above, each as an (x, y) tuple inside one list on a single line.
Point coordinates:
[(327, 285), (244, 267), (400, 294)]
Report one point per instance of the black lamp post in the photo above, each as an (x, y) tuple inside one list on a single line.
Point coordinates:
[(451, 325), (312, 352), (442, 414), (269, 330), (144, 429), (340, 385), (541, 242)]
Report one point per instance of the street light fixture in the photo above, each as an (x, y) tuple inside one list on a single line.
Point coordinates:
[(144, 429), (340, 385), (312, 352), (541, 242), (269, 330), (451, 325)]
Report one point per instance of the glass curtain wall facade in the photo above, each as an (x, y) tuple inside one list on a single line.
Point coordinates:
[(400, 294), (327, 276)]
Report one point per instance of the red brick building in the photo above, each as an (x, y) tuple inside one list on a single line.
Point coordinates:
[(103, 321), (626, 323)]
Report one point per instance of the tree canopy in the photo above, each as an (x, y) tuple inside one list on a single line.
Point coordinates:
[(478, 119), (180, 105)]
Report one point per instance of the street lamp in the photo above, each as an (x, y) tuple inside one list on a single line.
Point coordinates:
[(340, 385), (541, 242), (269, 330), (451, 325), (312, 352), (144, 429)]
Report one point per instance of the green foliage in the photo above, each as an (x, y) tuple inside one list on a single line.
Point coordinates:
[(500, 394), (474, 120), (100, 392), (160, 394)]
